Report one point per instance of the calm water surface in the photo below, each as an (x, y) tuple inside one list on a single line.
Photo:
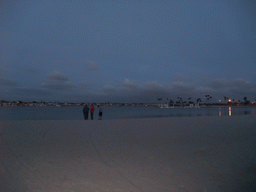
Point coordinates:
[(75, 113)]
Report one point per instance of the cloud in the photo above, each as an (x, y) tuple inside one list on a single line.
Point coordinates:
[(149, 92), (154, 87), (128, 91), (236, 86), (25, 94), (57, 81), (129, 84), (7, 82), (109, 89), (29, 91), (239, 84), (55, 85), (91, 65), (56, 75), (2, 70), (181, 78), (217, 88), (33, 70), (85, 84), (215, 83), (182, 88), (58, 87)]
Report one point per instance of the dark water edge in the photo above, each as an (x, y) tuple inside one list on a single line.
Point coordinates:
[(75, 113)]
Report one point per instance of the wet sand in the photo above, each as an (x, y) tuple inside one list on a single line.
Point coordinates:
[(157, 154)]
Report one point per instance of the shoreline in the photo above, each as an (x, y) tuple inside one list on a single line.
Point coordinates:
[(74, 113), (137, 118), (133, 118)]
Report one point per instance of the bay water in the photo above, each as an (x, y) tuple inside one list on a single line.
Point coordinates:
[(75, 113)]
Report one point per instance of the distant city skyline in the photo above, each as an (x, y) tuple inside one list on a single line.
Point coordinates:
[(127, 51)]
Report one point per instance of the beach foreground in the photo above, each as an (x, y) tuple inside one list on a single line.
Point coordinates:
[(158, 154)]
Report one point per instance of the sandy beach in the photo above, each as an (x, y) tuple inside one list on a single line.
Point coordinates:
[(157, 154)]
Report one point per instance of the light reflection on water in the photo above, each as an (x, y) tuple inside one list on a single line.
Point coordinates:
[(75, 113)]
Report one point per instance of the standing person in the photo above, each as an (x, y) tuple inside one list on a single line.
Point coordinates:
[(100, 112), (85, 111), (91, 111)]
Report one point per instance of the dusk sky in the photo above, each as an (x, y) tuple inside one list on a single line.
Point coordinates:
[(127, 51)]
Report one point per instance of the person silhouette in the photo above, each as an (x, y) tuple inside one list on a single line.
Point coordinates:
[(100, 112), (91, 111), (85, 112)]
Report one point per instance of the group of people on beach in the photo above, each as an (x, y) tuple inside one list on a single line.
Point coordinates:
[(86, 110)]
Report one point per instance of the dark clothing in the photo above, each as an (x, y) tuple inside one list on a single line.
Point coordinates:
[(100, 112), (86, 111), (91, 115), (86, 115)]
